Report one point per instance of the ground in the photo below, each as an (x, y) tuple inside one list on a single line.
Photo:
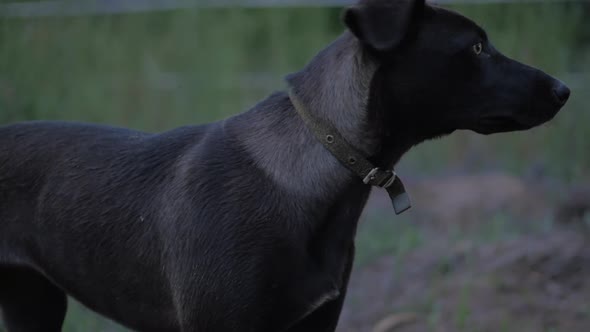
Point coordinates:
[(485, 254)]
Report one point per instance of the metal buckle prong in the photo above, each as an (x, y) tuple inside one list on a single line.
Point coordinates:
[(371, 176)]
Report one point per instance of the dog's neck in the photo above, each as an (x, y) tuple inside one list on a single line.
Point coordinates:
[(334, 87)]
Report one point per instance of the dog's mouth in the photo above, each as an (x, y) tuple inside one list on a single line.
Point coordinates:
[(502, 123), (523, 116)]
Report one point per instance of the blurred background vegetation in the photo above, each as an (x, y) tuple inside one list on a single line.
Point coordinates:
[(158, 70), (154, 71)]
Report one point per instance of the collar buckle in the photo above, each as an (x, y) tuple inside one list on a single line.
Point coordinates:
[(380, 178), (353, 159)]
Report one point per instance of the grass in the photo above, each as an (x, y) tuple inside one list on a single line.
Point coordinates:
[(80, 319), (463, 310), (382, 235), (155, 71)]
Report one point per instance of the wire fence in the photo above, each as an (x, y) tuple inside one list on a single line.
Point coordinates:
[(103, 7)]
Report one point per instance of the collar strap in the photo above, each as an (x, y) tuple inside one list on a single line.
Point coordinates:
[(353, 159)]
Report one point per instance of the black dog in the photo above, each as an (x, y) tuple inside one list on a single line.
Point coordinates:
[(245, 224)]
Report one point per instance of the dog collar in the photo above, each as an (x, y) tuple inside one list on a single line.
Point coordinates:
[(353, 159)]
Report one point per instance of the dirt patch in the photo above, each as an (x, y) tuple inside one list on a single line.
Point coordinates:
[(534, 283), (467, 200), (536, 280)]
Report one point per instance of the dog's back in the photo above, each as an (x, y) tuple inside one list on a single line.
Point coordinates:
[(56, 177), (39, 160)]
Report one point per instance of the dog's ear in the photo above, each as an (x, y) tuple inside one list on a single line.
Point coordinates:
[(382, 24)]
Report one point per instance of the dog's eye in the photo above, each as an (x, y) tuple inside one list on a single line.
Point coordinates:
[(477, 48)]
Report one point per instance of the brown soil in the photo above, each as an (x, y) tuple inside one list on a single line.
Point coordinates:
[(537, 281)]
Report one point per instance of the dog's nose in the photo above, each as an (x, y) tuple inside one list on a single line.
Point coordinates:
[(561, 93)]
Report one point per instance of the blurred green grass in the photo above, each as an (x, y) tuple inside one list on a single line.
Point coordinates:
[(156, 71)]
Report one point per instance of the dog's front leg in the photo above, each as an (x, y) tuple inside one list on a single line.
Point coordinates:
[(325, 317)]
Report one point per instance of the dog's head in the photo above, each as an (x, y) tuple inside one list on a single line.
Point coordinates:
[(440, 72)]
